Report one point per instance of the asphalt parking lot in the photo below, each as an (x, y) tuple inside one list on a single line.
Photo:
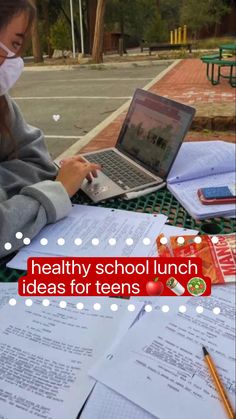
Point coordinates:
[(67, 104)]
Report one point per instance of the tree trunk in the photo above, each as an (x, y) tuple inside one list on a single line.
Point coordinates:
[(45, 7), (37, 52), (122, 30), (92, 7), (98, 33)]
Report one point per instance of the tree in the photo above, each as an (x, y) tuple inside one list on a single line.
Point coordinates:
[(156, 30), (170, 12), (218, 9), (132, 16), (60, 34), (98, 33), (45, 13), (209, 12), (51, 11), (36, 45)]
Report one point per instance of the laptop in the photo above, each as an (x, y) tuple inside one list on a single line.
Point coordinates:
[(148, 143)]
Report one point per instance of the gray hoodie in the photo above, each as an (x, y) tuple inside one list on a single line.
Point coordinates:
[(29, 196)]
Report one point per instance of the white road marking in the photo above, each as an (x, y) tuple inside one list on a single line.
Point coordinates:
[(96, 80), (71, 97), (77, 137)]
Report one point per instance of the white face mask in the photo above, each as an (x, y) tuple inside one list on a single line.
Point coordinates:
[(10, 70)]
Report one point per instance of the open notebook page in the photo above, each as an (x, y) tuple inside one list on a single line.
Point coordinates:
[(186, 193), (202, 158)]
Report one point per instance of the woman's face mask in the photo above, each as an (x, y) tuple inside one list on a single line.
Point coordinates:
[(10, 70)]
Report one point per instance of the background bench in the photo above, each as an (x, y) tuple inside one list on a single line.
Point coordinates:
[(162, 47)]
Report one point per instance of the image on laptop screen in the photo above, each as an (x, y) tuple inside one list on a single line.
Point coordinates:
[(154, 130)]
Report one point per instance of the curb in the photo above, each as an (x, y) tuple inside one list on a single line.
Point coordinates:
[(101, 66), (76, 147)]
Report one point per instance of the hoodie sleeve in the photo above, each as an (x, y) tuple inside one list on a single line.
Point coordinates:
[(29, 196), (28, 212), (24, 158)]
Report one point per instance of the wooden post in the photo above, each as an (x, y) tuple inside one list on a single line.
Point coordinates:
[(171, 37)]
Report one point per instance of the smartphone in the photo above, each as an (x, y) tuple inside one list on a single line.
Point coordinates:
[(217, 195)]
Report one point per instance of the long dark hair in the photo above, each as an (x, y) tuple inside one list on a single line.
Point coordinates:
[(9, 9)]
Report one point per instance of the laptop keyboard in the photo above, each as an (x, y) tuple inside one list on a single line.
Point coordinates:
[(125, 174)]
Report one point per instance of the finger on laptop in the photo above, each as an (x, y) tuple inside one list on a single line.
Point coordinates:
[(93, 168), (78, 157)]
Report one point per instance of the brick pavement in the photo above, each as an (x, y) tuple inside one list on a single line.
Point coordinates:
[(187, 83)]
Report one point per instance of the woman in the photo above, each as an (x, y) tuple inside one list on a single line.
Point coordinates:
[(32, 192)]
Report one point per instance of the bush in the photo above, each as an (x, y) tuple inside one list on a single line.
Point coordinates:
[(60, 35), (157, 31)]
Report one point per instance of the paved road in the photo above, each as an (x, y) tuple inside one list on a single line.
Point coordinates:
[(82, 97)]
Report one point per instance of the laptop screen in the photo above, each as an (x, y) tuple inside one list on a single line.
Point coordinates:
[(153, 131)]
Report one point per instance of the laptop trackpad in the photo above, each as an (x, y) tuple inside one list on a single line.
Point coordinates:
[(101, 188)]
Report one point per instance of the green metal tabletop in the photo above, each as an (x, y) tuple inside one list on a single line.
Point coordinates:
[(160, 202), (228, 47)]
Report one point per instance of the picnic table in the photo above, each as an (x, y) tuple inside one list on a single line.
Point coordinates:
[(160, 202), (218, 60), (229, 48)]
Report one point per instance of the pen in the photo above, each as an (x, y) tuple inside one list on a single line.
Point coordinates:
[(141, 192), (218, 383)]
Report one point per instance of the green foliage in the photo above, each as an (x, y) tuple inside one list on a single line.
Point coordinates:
[(208, 13), (130, 16), (60, 35), (218, 9), (157, 30), (195, 20), (149, 20), (170, 12)]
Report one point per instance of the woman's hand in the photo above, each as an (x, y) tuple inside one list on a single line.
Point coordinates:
[(73, 171)]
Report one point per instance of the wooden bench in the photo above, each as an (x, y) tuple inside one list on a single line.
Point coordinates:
[(163, 47), (213, 60)]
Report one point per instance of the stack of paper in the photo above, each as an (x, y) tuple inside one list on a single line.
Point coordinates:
[(159, 364), (87, 223), (155, 369), (199, 165), (45, 354), (7, 291)]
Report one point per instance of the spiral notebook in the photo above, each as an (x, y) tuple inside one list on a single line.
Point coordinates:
[(198, 165)]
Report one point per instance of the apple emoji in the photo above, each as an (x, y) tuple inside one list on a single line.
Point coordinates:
[(154, 287)]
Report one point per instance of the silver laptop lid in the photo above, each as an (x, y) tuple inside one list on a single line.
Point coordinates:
[(153, 131)]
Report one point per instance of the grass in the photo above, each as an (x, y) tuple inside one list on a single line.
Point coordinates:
[(211, 43)]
